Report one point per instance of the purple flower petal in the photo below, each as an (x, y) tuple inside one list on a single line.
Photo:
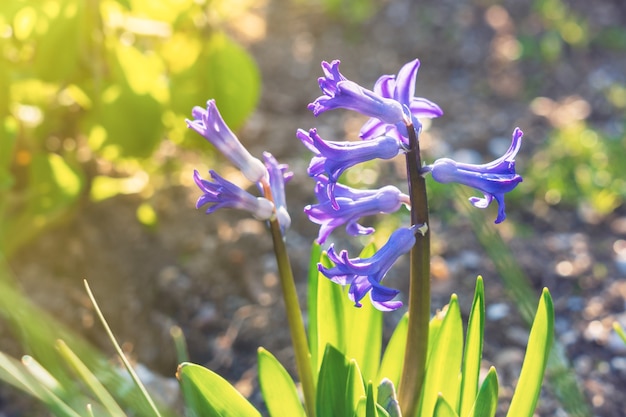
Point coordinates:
[(365, 275), (333, 158), (210, 124), (222, 193), (353, 205), (339, 92), (494, 179), (402, 90), (278, 176)]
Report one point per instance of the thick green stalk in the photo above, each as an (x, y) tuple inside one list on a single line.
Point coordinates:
[(294, 318), (419, 292)]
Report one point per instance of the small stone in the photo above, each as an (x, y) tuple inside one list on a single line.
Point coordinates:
[(497, 311)]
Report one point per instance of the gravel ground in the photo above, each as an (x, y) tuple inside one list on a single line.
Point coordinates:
[(215, 275)]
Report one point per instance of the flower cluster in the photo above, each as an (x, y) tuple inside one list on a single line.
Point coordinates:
[(393, 111), (270, 177)]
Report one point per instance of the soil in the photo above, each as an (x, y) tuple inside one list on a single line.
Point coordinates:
[(215, 276)]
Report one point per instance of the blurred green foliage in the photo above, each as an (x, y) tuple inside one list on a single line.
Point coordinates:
[(580, 165), (90, 89)]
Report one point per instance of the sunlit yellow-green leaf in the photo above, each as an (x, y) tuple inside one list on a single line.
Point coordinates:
[(209, 395), (486, 403), (444, 361), (393, 358), (443, 408), (473, 350), (279, 391), (528, 388), (355, 388)]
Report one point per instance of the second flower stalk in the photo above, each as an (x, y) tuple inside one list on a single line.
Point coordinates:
[(393, 129)]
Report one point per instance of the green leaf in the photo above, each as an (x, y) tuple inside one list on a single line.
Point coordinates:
[(279, 390), (313, 278), (486, 402), (120, 114), (363, 330), (330, 314), (8, 138), (224, 71), (443, 408), (54, 186), (331, 384), (209, 395), (90, 380), (355, 388), (393, 358), (444, 361), (473, 350), (370, 405), (539, 343), (65, 32), (15, 373)]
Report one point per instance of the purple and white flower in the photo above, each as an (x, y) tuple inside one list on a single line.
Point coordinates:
[(400, 88), (210, 124), (222, 193), (333, 158), (365, 275), (278, 176), (494, 179), (339, 92), (353, 205)]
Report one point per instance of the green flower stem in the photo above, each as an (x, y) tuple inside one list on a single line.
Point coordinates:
[(294, 317), (419, 292)]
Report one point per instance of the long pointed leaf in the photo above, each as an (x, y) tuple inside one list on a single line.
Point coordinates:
[(209, 395), (331, 384), (393, 359), (539, 343), (486, 402), (443, 408), (313, 279), (355, 388), (15, 373), (279, 390), (90, 380), (330, 314), (473, 350), (444, 361)]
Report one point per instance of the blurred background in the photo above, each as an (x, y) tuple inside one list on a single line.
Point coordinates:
[(96, 170)]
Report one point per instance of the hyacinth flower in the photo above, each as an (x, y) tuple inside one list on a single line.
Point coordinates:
[(333, 158), (210, 124), (278, 176), (494, 179), (270, 179), (353, 205), (339, 92), (365, 275), (222, 193), (400, 88)]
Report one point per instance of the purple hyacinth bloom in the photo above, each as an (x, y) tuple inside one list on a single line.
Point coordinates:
[(278, 176), (333, 158), (494, 179), (353, 205), (222, 193), (365, 275), (339, 92), (400, 88), (210, 124)]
